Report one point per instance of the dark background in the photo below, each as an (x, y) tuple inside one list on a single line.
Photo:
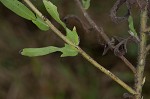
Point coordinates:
[(52, 77)]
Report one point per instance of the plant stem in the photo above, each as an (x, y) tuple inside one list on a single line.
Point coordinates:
[(103, 35), (142, 55), (86, 56)]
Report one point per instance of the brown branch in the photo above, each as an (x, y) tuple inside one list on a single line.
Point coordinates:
[(103, 35), (139, 77)]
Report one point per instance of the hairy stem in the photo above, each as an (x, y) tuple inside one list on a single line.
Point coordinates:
[(103, 35), (86, 56), (142, 56)]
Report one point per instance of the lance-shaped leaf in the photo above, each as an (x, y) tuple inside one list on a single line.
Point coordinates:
[(86, 4), (40, 24), (52, 10), (67, 50), (73, 36), (32, 52), (132, 30), (131, 25), (19, 8)]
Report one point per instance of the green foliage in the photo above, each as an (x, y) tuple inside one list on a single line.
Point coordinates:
[(67, 50), (19, 8), (32, 52), (73, 36), (52, 10), (24, 12), (132, 30), (86, 4), (40, 24)]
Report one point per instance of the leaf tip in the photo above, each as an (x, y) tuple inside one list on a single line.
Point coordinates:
[(74, 28)]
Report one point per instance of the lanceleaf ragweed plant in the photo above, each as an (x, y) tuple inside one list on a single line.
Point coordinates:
[(71, 39)]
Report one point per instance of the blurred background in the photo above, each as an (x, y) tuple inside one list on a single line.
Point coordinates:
[(52, 77)]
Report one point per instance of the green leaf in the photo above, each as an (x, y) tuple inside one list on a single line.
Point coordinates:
[(68, 50), (73, 36), (19, 8), (131, 25), (40, 24), (86, 4), (32, 52), (132, 30), (52, 10)]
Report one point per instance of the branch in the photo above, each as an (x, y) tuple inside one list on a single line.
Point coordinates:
[(142, 55), (103, 35), (86, 56), (93, 24)]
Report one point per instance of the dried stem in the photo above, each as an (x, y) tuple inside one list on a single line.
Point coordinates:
[(142, 56), (86, 56), (103, 35)]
